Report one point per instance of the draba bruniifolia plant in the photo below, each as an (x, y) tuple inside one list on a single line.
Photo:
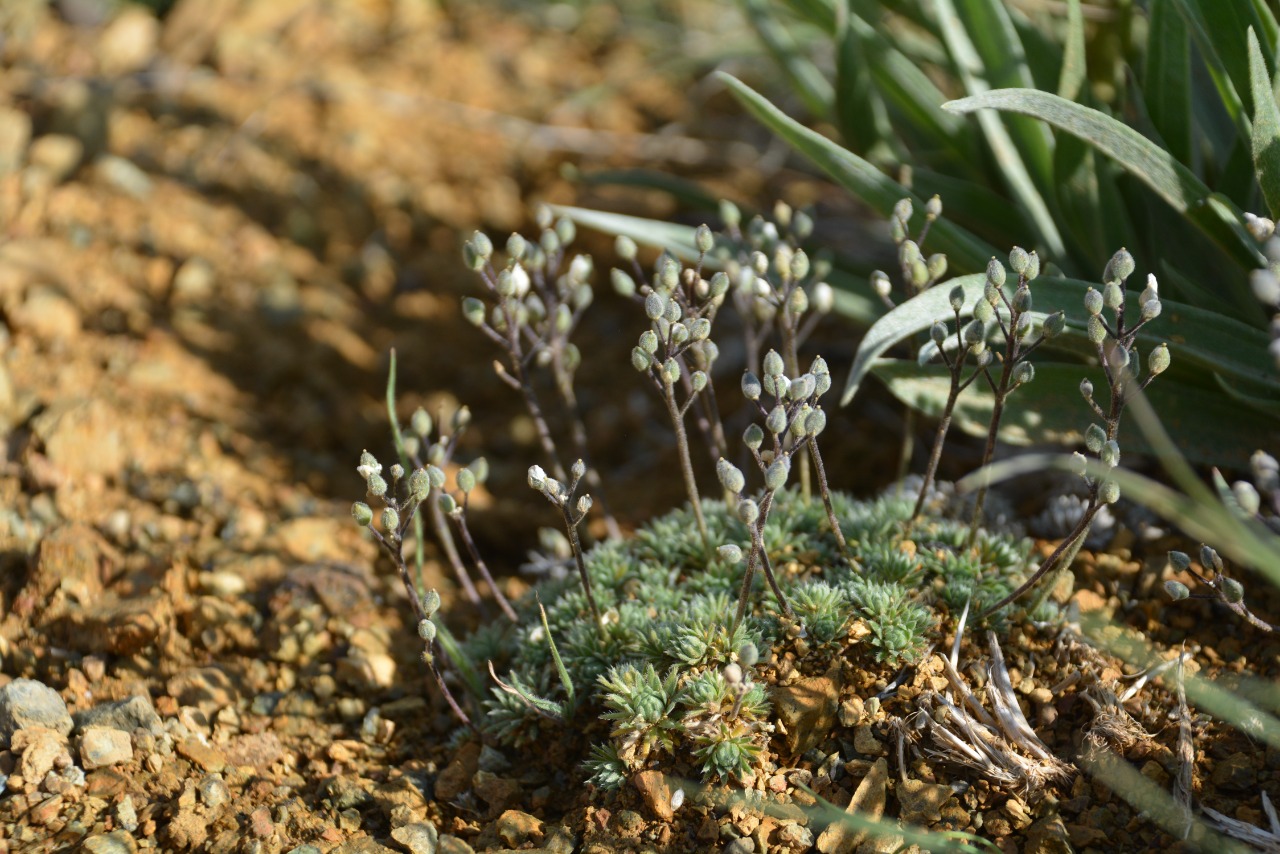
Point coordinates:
[(1118, 356), (573, 512), (918, 273), (1012, 316), (536, 299), (1228, 591), (676, 352), (401, 500), (778, 289), (792, 423)]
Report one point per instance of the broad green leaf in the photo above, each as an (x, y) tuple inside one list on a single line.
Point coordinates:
[(1049, 409), (859, 177), (1139, 156), (1167, 79), (1074, 71), (1012, 157), (820, 13), (803, 77), (1266, 127)]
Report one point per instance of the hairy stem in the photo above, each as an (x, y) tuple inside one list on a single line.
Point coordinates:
[(686, 464)]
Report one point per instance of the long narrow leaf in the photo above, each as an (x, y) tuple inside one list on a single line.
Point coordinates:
[(1008, 154), (859, 108), (1208, 44), (1266, 127), (803, 77), (1167, 79), (1074, 71), (964, 250), (1146, 161)]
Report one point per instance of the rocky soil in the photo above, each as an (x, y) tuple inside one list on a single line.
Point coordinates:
[(214, 228)]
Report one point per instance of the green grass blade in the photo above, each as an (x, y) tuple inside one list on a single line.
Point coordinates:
[(964, 250), (1074, 76), (1167, 79), (1208, 41), (658, 234), (1266, 127), (859, 109), (1136, 154), (1225, 27), (561, 672), (1027, 158), (803, 77)]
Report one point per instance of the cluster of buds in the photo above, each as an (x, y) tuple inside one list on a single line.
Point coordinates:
[(418, 444), (573, 511), (1229, 591), (919, 272), (1115, 340), (397, 513), (1266, 281), (793, 421)]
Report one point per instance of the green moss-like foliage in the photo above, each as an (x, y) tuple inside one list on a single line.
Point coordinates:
[(654, 674)]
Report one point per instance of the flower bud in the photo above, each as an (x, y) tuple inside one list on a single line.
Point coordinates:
[(719, 285), (369, 462), (700, 329), (466, 480), (435, 477), (537, 478), (704, 239), (362, 514), (1180, 561), (729, 214), (623, 284), (1094, 438), (427, 630), (748, 511), (1119, 268), (419, 484), (730, 553), (1033, 267), (1112, 295), (1092, 302), (377, 486), (799, 265), (731, 477), (1022, 299), (1176, 590), (933, 207), (995, 273), (516, 247), (1151, 309), (390, 520), (673, 312), (1086, 389), (699, 381), (1023, 372), (801, 225), (880, 284), (448, 505), (974, 332), (1109, 491), (431, 602), (750, 386), (1232, 590), (815, 422), (753, 436), (902, 210), (824, 298), (1209, 559), (396, 472), (1158, 359), (584, 505), (679, 334), (1247, 497), (798, 422), (1259, 228), (938, 333), (471, 257), (655, 305), (775, 477), (1096, 329), (1054, 324), (798, 302), (776, 421), (937, 266), (670, 371), (1018, 260), (773, 364), (1110, 453), (640, 360), (1151, 291), (983, 312)]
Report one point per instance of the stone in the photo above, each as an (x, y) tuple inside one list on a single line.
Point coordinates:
[(1048, 836), (193, 283), (116, 842), (656, 792), (363, 845), (921, 802), (26, 702), (82, 436), (260, 824), (57, 155), (795, 837), (456, 776), (497, 792), (39, 749), (868, 801), (420, 837), (123, 175), (516, 829), (206, 688), (129, 42), (807, 708), (1236, 772), (136, 712), (15, 133), (206, 756), (742, 845), (102, 746)]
